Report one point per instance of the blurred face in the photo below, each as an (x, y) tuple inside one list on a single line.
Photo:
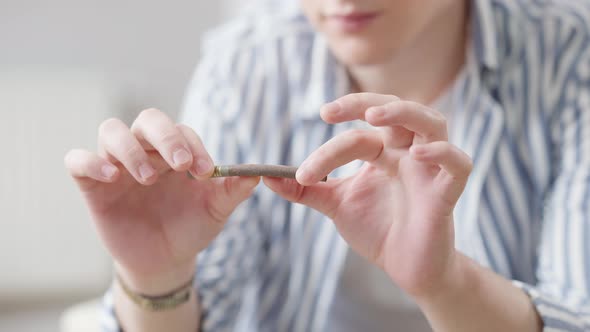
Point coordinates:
[(369, 32)]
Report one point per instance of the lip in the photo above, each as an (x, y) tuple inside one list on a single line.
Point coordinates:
[(351, 22)]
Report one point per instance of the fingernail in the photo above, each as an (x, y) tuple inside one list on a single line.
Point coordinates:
[(108, 171), (146, 171), (181, 157), (203, 166)]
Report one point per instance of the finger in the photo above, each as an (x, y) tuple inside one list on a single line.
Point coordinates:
[(321, 197), (429, 124), (229, 193), (364, 145), (116, 140), (353, 106), (456, 165), (87, 168), (202, 166), (159, 131)]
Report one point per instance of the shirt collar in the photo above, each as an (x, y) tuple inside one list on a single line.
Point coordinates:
[(329, 79), (484, 33)]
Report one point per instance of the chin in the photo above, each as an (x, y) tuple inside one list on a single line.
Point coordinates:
[(360, 52)]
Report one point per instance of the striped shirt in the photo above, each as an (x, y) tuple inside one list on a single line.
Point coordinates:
[(522, 113)]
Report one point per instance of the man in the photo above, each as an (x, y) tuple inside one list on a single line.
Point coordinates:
[(494, 88)]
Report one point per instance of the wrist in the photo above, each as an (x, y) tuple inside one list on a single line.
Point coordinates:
[(458, 279), (156, 283)]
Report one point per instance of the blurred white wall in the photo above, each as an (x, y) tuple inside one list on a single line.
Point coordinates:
[(65, 65), (149, 46), (48, 249)]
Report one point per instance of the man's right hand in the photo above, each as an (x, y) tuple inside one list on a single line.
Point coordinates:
[(153, 219)]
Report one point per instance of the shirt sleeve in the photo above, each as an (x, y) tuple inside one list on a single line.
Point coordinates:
[(215, 97), (561, 295)]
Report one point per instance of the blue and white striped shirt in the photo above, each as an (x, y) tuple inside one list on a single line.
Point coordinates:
[(522, 113)]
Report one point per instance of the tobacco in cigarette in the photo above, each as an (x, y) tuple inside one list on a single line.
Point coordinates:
[(279, 171)]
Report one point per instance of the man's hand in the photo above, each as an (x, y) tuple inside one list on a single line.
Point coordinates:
[(152, 218), (397, 210)]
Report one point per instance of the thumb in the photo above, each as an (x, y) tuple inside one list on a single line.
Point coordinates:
[(321, 196), (229, 193)]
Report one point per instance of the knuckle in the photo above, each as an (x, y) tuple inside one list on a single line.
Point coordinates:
[(169, 138), (149, 112), (220, 211), (297, 192), (392, 103), (358, 136), (356, 99), (400, 108), (135, 153), (188, 131), (440, 120), (79, 162), (362, 96), (108, 126), (446, 149), (408, 104), (437, 125), (183, 128), (146, 116), (392, 109), (217, 213), (228, 187), (345, 101)]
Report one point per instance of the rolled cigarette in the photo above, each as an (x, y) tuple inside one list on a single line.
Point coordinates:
[(278, 171)]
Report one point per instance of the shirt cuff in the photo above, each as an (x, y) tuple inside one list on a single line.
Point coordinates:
[(556, 316), (108, 318)]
